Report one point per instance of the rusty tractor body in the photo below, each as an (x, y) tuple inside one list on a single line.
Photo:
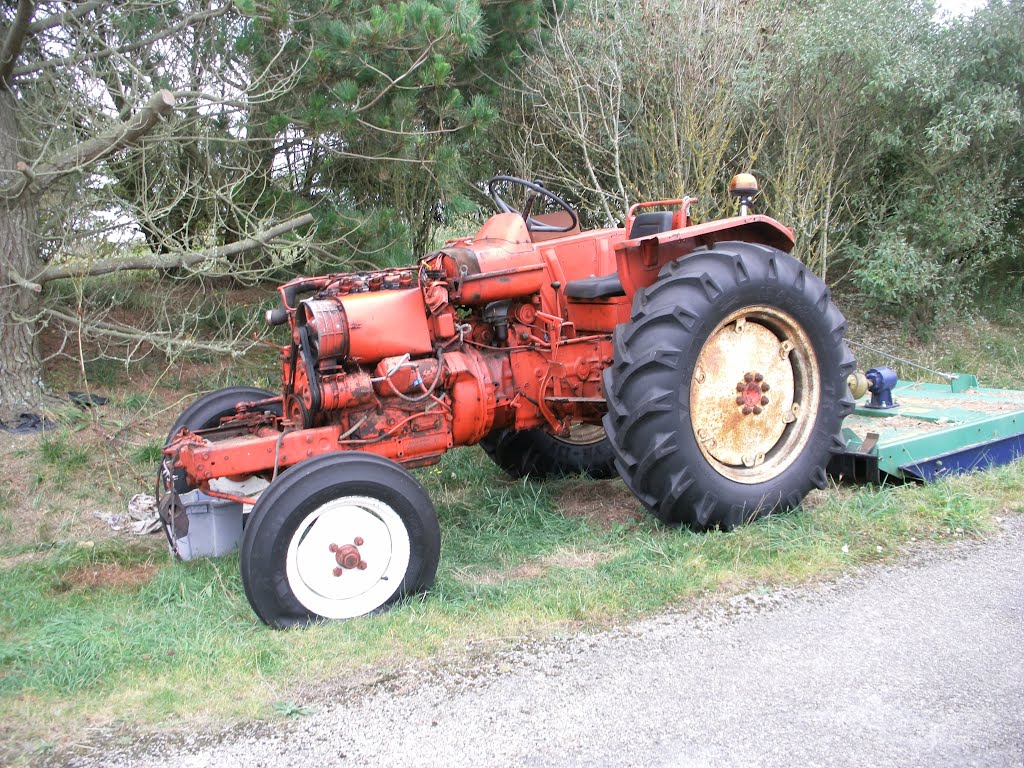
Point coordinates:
[(702, 363)]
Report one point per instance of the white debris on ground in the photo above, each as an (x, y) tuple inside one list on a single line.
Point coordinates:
[(142, 517)]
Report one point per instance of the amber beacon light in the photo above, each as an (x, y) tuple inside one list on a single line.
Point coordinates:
[(743, 186)]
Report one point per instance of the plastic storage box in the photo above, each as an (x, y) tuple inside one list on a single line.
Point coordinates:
[(214, 526)]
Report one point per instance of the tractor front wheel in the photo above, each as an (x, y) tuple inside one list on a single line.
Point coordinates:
[(338, 536), (207, 412), (540, 454), (728, 389)]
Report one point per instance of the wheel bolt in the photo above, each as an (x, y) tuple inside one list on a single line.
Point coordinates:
[(764, 400), (338, 571), (333, 547), (359, 541)]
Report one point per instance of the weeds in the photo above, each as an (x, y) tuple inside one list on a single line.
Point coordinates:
[(291, 710), (148, 455)]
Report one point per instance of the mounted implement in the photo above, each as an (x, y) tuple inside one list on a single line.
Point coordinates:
[(911, 432), (702, 363)]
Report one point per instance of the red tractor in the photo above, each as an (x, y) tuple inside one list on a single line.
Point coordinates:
[(701, 363)]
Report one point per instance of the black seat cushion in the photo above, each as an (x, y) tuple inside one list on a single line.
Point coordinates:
[(647, 224), (602, 287), (606, 286)]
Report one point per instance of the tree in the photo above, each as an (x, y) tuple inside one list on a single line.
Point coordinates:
[(944, 187), (84, 101), (614, 109), (200, 133)]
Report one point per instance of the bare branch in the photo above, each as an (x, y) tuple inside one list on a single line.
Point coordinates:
[(393, 83), (15, 39), (170, 260), (168, 342), (80, 155), (144, 43), (58, 19)]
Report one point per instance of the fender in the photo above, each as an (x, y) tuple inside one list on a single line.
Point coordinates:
[(639, 261)]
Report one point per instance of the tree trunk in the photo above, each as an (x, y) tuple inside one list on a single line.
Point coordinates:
[(21, 379)]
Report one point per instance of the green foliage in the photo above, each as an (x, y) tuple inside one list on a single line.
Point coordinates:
[(372, 123), (895, 274), (888, 138), (945, 178)]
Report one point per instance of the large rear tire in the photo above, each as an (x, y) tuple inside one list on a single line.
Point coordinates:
[(541, 455), (207, 412), (728, 389), (338, 536)]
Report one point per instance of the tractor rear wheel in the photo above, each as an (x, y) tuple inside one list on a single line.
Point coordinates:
[(540, 454), (728, 389), (207, 412), (338, 536)]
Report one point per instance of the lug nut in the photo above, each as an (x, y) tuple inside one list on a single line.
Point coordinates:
[(764, 386), (740, 401), (740, 387), (746, 410), (359, 541), (748, 377), (361, 566), (764, 400), (338, 571), (757, 410), (333, 547), (758, 377)]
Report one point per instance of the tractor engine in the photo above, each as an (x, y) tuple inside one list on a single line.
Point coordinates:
[(408, 363)]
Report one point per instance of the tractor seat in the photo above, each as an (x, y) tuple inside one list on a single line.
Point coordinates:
[(651, 223), (607, 286), (603, 287)]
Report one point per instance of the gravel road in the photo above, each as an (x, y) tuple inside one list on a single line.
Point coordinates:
[(919, 664)]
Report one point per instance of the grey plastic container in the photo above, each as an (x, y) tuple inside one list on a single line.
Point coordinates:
[(214, 526)]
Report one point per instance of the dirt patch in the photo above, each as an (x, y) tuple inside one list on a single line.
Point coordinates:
[(50, 497), (563, 558), (604, 503), (15, 560), (496, 576), (105, 576)]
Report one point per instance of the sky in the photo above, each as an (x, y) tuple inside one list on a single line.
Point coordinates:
[(959, 7)]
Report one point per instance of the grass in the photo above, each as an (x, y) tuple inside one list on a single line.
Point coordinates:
[(96, 629), (964, 344), (160, 641)]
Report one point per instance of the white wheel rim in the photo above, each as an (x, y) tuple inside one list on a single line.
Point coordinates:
[(311, 564)]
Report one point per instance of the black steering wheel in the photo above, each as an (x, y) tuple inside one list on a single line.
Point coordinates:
[(537, 190)]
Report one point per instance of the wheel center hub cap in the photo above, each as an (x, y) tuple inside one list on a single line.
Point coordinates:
[(737, 415), (753, 394), (347, 556)]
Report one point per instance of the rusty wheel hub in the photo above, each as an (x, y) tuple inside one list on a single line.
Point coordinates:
[(754, 376), (752, 397), (582, 434), (347, 556)]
